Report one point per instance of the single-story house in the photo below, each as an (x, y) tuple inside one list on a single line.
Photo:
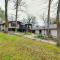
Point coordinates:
[(43, 30)]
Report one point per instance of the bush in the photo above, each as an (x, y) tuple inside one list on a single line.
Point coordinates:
[(28, 33), (50, 36), (44, 36), (41, 36)]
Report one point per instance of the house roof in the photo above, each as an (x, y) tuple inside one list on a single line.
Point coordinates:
[(3, 22), (51, 26), (14, 21)]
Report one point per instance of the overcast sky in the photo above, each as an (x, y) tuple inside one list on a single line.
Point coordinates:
[(35, 7)]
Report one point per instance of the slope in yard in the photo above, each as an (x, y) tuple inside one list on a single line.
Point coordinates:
[(21, 48)]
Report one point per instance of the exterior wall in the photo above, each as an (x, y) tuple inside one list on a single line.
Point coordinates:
[(37, 31), (54, 33), (9, 24), (2, 27), (18, 25), (44, 32), (13, 26)]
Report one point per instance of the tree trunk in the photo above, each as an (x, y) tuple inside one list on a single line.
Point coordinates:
[(6, 16), (58, 24), (48, 31), (16, 14)]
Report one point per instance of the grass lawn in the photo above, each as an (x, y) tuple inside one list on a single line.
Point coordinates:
[(21, 48)]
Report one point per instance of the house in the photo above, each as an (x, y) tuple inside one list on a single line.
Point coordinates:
[(43, 30), (35, 29), (11, 26)]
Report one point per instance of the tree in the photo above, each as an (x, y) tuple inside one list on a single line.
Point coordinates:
[(6, 16), (33, 20), (16, 14), (58, 24), (48, 31), (44, 19), (48, 19), (30, 21), (17, 4)]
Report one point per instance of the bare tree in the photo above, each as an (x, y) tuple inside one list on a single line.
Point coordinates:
[(16, 14), (44, 19), (33, 20), (30, 21), (18, 3), (6, 16), (58, 24), (48, 19)]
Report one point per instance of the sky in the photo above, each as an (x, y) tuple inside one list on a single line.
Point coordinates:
[(35, 8), (2, 4)]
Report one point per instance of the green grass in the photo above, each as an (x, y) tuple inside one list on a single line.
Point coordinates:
[(21, 48)]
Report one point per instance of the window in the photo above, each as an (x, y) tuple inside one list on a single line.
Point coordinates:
[(13, 24)]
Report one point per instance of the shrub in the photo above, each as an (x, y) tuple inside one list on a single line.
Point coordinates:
[(40, 36), (44, 36), (28, 33)]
